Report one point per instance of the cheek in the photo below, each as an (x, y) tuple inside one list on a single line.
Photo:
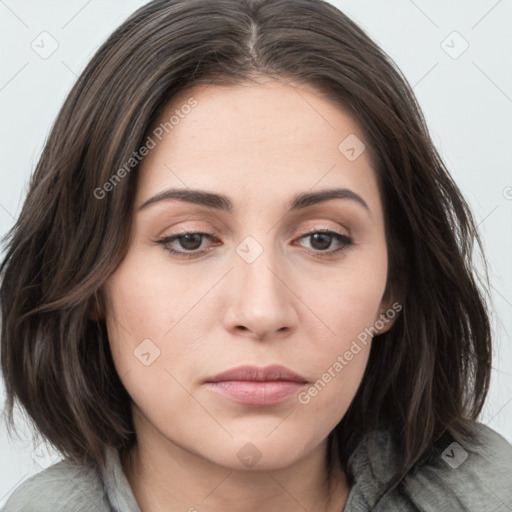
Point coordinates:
[(330, 395), (156, 327), (347, 299), (142, 309), (348, 307), (341, 352), (135, 316), (144, 300)]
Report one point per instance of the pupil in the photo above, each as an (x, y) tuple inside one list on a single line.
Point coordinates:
[(323, 238), (191, 241)]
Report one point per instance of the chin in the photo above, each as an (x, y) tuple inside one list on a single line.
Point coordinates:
[(260, 453)]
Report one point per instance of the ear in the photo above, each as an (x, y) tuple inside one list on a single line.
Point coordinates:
[(388, 313), (96, 309)]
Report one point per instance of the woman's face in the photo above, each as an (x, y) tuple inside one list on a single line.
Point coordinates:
[(261, 288)]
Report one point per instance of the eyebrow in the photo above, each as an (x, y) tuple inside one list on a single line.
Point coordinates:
[(222, 202)]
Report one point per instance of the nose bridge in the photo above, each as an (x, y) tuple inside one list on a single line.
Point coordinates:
[(260, 301), (256, 267)]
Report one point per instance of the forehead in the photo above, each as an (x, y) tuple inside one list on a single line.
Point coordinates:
[(255, 139)]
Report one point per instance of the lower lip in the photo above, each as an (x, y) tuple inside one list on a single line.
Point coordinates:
[(257, 393)]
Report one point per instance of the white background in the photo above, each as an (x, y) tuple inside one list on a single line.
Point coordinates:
[(467, 102)]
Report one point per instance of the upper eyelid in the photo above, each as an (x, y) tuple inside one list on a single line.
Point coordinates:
[(318, 224), (304, 233), (316, 229)]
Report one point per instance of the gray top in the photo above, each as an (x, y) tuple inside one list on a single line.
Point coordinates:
[(457, 480)]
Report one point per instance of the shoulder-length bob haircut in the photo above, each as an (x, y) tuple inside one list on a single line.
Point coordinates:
[(428, 375)]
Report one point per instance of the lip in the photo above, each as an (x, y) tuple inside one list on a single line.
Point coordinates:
[(253, 373), (250, 385)]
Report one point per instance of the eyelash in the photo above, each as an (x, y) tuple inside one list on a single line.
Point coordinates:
[(345, 240)]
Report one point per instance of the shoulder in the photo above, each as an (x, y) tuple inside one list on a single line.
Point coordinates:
[(469, 475), (65, 486), (465, 475)]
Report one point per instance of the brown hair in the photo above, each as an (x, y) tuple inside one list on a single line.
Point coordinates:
[(429, 374)]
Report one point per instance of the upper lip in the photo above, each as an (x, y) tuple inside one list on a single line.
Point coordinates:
[(253, 373)]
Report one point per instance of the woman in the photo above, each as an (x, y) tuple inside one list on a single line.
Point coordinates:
[(242, 280)]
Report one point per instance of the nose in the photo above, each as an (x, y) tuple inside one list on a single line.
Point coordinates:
[(261, 300)]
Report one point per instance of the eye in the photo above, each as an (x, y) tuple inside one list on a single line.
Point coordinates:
[(191, 241), (322, 239), (188, 240)]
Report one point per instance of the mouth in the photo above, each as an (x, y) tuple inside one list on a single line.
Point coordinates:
[(250, 385)]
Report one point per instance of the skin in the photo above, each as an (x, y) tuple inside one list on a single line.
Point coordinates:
[(258, 144)]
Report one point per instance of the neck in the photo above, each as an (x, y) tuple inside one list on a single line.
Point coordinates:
[(175, 480)]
